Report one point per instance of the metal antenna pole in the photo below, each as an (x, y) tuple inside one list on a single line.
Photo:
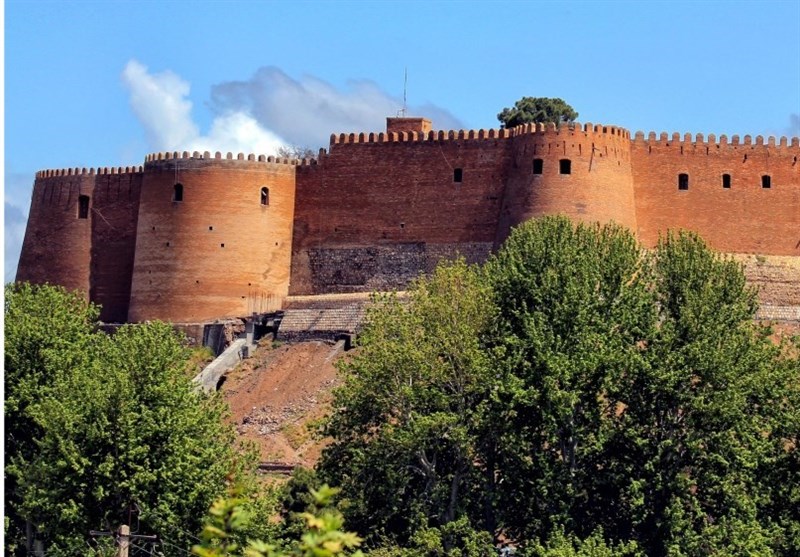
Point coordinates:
[(405, 89)]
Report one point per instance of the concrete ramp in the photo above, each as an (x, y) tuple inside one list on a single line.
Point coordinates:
[(208, 379)]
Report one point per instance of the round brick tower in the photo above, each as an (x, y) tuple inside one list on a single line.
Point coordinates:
[(214, 237), (581, 172), (81, 234), (58, 238)]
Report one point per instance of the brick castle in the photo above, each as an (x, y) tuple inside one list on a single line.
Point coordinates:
[(192, 237)]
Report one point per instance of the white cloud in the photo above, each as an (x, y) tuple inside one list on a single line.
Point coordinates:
[(159, 101), (263, 113), (308, 110), (238, 133)]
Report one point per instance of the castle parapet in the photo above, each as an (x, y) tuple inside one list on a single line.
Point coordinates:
[(196, 156), (700, 142), (569, 128), (58, 173), (413, 136)]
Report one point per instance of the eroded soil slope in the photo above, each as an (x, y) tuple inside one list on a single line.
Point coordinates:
[(276, 395)]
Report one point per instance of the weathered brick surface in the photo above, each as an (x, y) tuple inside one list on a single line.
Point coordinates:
[(599, 186), (369, 269), (399, 125), (744, 218), (784, 314), (92, 255), (777, 278), (219, 252), (377, 210), (394, 198), (114, 218)]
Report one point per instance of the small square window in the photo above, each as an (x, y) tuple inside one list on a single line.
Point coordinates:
[(458, 175), (538, 166), (565, 166), (766, 182), (726, 181), (683, 181)]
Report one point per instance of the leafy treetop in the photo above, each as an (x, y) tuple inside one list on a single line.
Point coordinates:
[(535, 110)]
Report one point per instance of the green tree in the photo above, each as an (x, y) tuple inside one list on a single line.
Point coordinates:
[(701, 419), (782, 476), (581, 396), (47, 330), (574, 309), (529, 110), (405, 422), (117, 424), (638, 394)]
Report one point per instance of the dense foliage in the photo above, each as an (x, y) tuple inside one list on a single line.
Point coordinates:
[(102, 428), (530, 110), (408, 419), (576, 392), (577, 396)]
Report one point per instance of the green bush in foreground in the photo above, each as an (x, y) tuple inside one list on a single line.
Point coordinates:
[(322, 535)]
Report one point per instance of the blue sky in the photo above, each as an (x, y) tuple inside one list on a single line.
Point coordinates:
[(103, 83)]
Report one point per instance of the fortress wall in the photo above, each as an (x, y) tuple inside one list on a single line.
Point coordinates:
[(219, 252), (776, 277), (745, 218), (380, 209), (114, 219), (598, 187)]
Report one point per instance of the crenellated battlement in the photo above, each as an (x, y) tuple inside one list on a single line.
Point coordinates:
[(57, 173), (413, 136), (479, 135), (664, 139), (652, 138), (570, 128), (217, 156)]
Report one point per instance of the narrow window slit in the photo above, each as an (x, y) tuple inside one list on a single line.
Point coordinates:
[(83, 206)]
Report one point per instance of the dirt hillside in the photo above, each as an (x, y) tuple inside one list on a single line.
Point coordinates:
[(275, 395)]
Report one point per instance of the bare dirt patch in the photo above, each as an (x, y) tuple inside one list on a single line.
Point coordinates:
[(276, 396)]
